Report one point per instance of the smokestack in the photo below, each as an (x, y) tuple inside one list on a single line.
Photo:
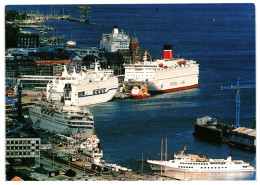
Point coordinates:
[(167, 52), (115, 31)]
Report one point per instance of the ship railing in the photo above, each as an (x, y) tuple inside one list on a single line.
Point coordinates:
[(80, 121)]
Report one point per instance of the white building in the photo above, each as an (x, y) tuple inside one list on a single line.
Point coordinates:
[(115, 41), (22, 150)]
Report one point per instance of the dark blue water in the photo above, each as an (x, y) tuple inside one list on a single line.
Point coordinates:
[(221, 38)]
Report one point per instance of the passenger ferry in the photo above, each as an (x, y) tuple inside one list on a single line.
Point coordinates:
[(86, 87), (115, 41), (62, 118), (166, 74), (194, 163)]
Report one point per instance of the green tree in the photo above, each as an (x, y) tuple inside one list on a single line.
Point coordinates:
[(11, 15), (11, 32), (70, 173)]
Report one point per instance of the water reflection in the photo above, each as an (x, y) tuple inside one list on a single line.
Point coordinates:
[(210, 176)]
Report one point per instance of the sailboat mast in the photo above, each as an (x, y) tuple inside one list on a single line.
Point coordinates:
[(142, 162), (165, 158), (161, 154)]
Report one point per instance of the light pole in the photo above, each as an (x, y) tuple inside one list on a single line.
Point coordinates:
[(53, 160), (84, 166)]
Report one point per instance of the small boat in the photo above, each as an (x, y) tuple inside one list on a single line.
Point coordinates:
[(91, 148), (139, 93), (71, 43)]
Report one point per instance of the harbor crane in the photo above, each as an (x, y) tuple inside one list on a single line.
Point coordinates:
[(72, 57), (237, 87)]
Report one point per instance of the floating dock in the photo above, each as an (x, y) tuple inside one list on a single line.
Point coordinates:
[(208, 128)]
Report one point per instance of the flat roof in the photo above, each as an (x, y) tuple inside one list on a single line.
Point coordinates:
[(246, 131)]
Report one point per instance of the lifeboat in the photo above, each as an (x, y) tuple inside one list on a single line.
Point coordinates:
[(181, 62), (160, 65)]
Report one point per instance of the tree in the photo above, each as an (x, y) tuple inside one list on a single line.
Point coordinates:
[(70, 173), (11, 33), (11, 15)]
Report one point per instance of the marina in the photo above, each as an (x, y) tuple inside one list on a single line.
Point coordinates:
[(99, 106)]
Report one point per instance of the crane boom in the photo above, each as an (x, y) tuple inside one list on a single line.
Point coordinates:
[(237, 87)]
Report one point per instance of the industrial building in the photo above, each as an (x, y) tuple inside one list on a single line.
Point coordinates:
[(243, 137)]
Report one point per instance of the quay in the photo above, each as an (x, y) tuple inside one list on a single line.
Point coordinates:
[(38, 27), (209, 129)]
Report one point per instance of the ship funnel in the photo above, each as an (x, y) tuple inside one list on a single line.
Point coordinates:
[(115, 31), (167, 52)]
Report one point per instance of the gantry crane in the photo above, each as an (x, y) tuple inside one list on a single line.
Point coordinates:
[(237, 87)]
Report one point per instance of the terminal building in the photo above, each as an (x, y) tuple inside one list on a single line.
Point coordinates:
[(22, 151)]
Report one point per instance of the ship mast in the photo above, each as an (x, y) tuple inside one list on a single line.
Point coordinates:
[(85, 12)]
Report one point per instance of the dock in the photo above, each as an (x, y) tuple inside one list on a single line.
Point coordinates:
[(209, 129)]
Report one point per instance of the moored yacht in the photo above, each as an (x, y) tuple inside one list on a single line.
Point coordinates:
[(194, 163)]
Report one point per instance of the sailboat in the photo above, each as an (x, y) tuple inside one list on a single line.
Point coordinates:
[(71, 43), (85, 14)]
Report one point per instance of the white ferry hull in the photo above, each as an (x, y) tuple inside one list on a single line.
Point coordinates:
[(97, 98), (168, 166), (94, 92), (167, 81), (59, 126)]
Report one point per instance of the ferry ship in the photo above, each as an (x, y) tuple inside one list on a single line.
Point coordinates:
[(194, 163), (115, 41), (164, 75), (62, 118), (86, 87)]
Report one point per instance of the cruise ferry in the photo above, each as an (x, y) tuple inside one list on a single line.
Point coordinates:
[(86, 87), (115, 41), (62, 118), (166, 74), (194, 163)]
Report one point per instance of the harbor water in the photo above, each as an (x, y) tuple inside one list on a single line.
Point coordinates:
[(220, 37)]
